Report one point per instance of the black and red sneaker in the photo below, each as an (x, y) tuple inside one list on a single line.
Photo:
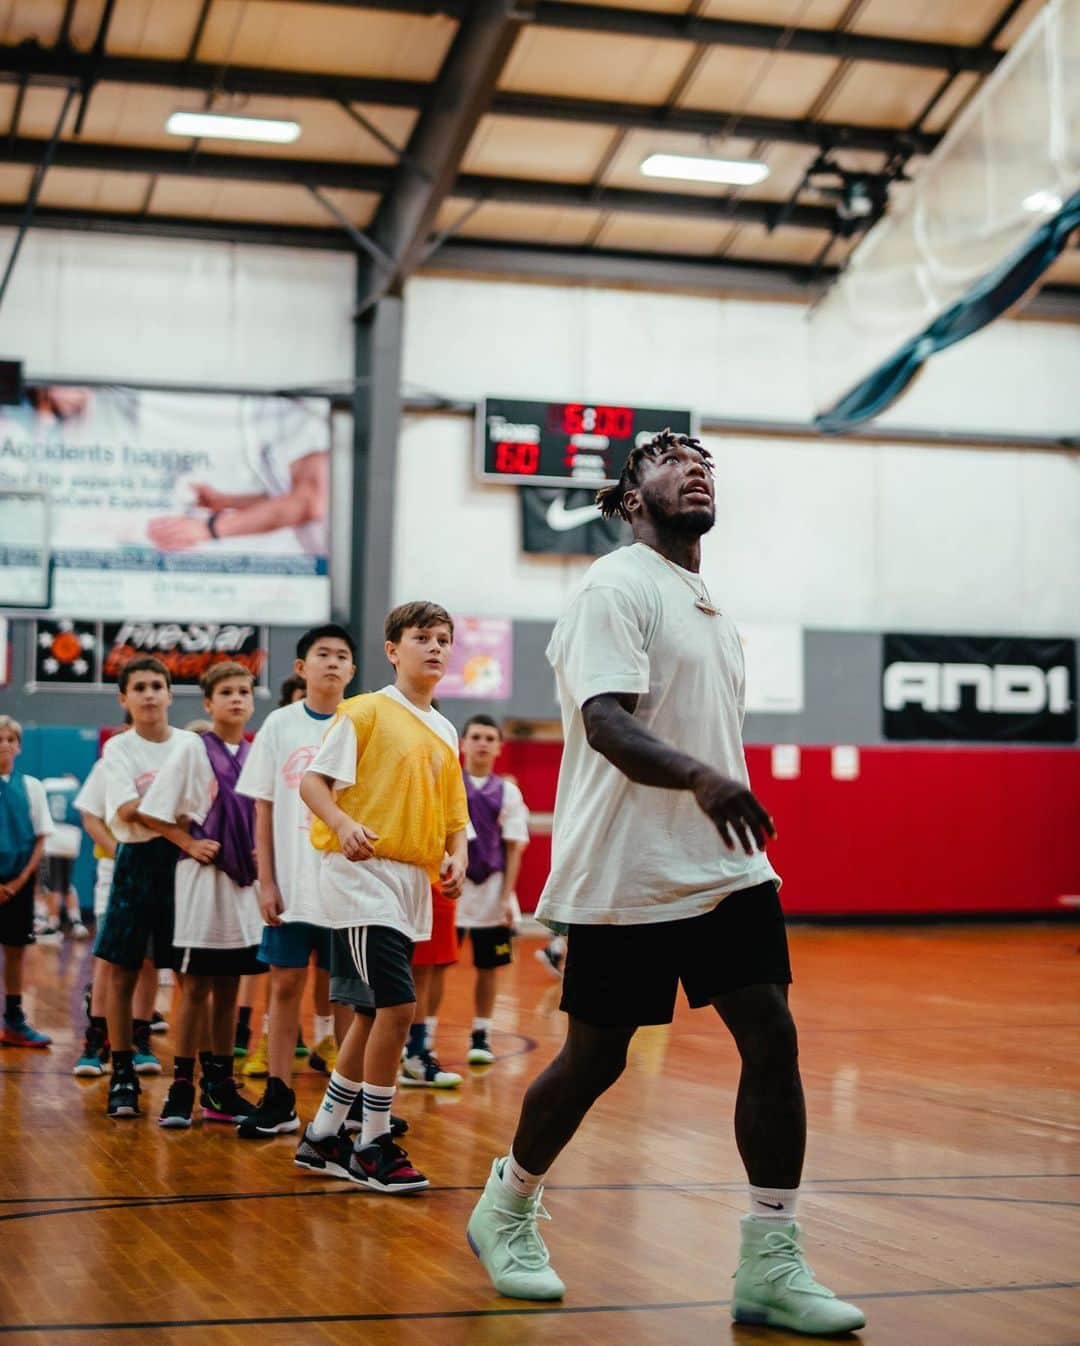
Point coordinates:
[(385, 1167), (328, 1157), (355, 1120)]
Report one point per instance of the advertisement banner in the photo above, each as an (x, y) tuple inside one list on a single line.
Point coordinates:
[(482, 662), (70, 653), (567, 523), (5, 653), (199, 505), (979, 688)]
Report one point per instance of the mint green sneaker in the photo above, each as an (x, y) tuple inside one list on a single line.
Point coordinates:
[(774, 1287), (502, 1232)]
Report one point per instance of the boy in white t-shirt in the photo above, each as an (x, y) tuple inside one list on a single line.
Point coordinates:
[(295, 927), (486, 910), (25, 822), (218, 926), (139, 916)]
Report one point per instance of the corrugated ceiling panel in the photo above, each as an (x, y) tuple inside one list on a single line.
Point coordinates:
[(959, 90), (874, 94), (41, 108), (519, 147), (528, 224), (753, 242), (730, 79), (14, 182), (965, 22), (1018, 25), (652, 233), (665, 6), (41, 19), (161, 29), (595, 65), (819, 14), (82, 189), (265, 202), (357, 42)]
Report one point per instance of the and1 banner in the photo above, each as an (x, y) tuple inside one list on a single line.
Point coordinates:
[(91, 654), (979, 688), (482, 661), (197, 505), (567, 523)]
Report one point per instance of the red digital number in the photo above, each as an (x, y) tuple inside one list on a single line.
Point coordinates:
[(573, 418), (519, 460), (615, 422)]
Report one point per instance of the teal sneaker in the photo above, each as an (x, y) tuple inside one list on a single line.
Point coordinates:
[(145, 1062), (774, 1287), (502, 1232)]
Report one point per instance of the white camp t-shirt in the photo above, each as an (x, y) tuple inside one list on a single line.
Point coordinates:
[(376, 891), (40, 817), (131, 764), (91, 799), (212, 911), (626, 854), (480, 905), (283, 750)]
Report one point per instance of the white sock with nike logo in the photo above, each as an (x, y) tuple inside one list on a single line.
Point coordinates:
[(773, 1203)]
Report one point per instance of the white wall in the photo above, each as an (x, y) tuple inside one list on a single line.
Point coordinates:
[(150, 310), (826, 533)]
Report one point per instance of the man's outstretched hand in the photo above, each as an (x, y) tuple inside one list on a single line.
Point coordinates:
[(734, 811)]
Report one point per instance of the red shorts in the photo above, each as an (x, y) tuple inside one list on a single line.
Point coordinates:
[(442, 948)]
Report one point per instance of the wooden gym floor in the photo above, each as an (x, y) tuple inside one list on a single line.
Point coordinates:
[(943, 1178)]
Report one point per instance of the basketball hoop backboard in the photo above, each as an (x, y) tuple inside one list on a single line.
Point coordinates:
[(25, 551)]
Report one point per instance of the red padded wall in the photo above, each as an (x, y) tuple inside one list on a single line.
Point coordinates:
[(919, 830)]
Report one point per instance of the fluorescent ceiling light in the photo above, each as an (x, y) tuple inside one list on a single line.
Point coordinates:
[(694, 168), (1043, 203), (217, 126)]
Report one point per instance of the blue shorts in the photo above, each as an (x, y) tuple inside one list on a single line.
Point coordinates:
[(292, 943)]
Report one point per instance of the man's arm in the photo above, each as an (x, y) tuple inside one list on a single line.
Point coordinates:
[(98, 833), (270, 901), (613, 732), (198, 848), (12, 886), (355, 838), (452, 874), (514, 851)]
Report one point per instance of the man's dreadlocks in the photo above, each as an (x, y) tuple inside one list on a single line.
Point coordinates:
[(610, 498)]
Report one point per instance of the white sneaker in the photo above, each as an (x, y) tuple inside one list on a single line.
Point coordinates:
[(79, 931), (424, 1072)]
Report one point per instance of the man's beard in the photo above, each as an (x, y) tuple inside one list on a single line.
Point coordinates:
[(693, 523)]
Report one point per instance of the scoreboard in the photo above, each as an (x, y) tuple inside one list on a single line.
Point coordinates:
[(564, 443)]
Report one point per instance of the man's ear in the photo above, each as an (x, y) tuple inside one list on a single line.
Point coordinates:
[(632, 500)]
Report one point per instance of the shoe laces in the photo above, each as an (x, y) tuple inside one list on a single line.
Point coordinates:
[(524, 1246), (789, 1264)]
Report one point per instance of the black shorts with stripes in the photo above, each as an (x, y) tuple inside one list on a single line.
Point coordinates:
[(380, 957)]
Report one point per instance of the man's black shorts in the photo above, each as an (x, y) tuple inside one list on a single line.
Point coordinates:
[(17, 917), (139, 921), (628, 975), (379, 956), (492, 945)]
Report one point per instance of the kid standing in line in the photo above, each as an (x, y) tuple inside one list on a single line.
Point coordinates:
[(218, 925), (25, 822), (387, 793), (140, 911), (487, 911)]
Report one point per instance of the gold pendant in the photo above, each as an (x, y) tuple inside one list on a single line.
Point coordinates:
[(707, 608)]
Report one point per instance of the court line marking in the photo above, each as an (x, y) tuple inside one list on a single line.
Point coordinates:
[(93, 1205), (516, 1312)]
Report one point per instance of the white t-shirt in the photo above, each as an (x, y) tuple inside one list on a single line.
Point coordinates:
[(40, 817), (131, 764), (376, 891), (283, 750), (91, 797), (626, 854), (480, 905), (212, 912)]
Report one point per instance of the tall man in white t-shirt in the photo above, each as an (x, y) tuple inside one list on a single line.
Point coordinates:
[(658, 869)]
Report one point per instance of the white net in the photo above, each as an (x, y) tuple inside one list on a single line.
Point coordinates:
[(1006, 167)]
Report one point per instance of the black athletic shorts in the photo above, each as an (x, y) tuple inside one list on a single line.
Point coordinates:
[(220, 962), (380, 958), (492, 945), (17, 917), (139, 920), (623, 976), (58, 874)]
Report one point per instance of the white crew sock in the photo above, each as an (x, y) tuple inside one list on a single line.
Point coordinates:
[(266, 1026), (518, 1180), (430, 1025), (339, 1097), (377, 1099), (324, 1027), (482, 1026), (773, 1203)]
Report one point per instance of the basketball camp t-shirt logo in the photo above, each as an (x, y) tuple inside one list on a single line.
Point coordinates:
[(979, 688)]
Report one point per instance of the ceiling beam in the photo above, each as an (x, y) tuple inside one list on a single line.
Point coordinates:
[(59, 66), (665, 26), (429, 166), (375, 178)]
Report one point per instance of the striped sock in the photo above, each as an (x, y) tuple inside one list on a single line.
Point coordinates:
[(377, 1100), (339, 1097)]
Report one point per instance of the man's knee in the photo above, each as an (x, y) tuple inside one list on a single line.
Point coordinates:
[(762, 1025)]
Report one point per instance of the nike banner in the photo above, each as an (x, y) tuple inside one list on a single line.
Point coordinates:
[(567, 523)]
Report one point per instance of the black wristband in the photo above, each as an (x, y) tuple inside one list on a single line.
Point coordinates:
[(211, 523)]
